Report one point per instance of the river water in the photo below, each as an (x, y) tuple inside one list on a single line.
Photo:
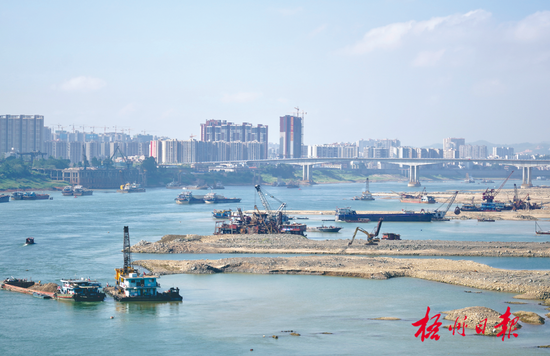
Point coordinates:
[(229, 314)]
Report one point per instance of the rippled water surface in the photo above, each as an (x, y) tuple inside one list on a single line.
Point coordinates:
[(230, 313)]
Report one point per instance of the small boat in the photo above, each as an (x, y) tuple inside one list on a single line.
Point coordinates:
[(304, 218), (18, 282), (174, 185), (294, 229), (17, 196), (218, 185), (485, 220), (538, 231), (34, 196), (188, 198), (131, 188), (4, 198), (390, 236), (422, 198), (67, 191), (292, 184), (41, 295), (213, 198), (279, 183), (324, 228), (80, 290), (80, 190), (29, 241), (221, 214), (197, 187)]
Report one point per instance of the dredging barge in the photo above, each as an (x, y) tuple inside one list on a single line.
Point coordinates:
[(131, 286)]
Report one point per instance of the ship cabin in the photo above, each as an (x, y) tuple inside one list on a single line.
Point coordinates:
[(75, 286), (135, 285)]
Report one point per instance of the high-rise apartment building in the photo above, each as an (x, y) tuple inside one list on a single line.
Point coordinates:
[(290, 140), (223, 131), (23, 133), (453, 143)]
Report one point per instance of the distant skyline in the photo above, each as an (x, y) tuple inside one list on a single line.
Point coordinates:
[(418, 71)]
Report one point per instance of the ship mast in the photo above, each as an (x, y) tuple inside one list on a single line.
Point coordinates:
[(126, 251)]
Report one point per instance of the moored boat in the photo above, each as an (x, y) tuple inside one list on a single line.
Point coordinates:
[(213, 198), (218, 185), (80, 190), (4, 198), (422, 198), (538, 230), (131, 188), (486, 181), (34, 196), (292, 184), (174, 185), (17, 196), (67, 191), (18, 282), (188, 198), (197, 187), (293, 229), (324, 228), (221, 214), (80, 290), (349, 215)]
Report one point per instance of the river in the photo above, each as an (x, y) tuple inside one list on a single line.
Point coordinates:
[(229, 314)]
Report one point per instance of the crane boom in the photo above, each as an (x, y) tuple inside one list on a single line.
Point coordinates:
[(263, 199), (490, 194), (440, 214)]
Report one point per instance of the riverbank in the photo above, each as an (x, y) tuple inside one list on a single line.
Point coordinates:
[(529, 284)]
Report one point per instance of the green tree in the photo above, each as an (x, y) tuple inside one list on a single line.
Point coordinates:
[(150, 165), (108, 163)]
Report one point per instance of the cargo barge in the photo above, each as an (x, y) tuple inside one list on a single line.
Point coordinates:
[(349, 215)]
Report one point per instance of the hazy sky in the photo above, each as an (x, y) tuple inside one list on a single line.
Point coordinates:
[(414, 70)]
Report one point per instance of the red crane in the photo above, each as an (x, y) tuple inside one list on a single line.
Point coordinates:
[(490, 194)]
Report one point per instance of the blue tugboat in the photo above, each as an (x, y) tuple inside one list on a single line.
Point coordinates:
[(221, 214)]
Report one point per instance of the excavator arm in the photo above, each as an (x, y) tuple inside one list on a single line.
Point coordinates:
[(370, 237)]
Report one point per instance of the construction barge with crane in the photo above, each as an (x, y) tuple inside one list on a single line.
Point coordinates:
[(268, 222), (352, 216), (131, 286), (489, 202)]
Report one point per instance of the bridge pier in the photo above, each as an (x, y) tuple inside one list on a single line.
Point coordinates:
[(306, 172), (526, 177), (413, 174)]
